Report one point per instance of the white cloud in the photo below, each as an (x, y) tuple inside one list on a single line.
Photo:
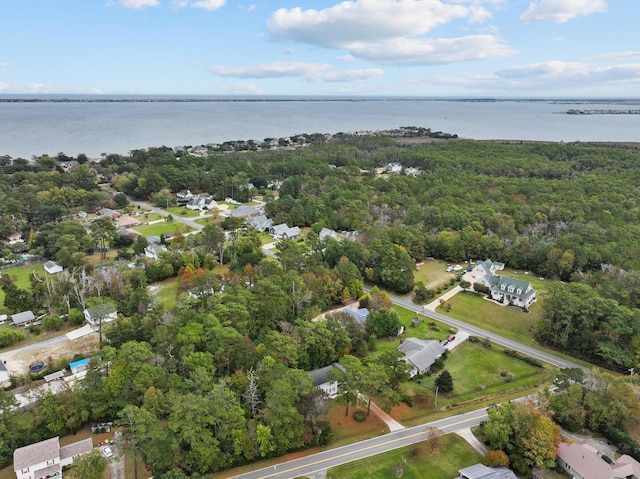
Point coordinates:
[(364, 21), (137, 4), (40, 88), (5, 64), (404, 51), (209, 5), (561, 11), (270, 70), (617, 56), (315, 72), (346, 76), (251, 8), (241, 89), (391, 31)]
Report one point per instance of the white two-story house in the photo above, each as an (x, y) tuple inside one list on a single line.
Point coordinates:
[(46, 459)]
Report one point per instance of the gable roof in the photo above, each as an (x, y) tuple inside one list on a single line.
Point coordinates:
[(52, 267), (23, 317), (322, 375), (585, 460), (77, 448), (244, 210), (324, 232), (360, 315), (419, 353), (101, 310), (33, 454)]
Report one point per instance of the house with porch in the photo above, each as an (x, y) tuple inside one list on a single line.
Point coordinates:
[(503, 289), (259, 223), (583, 461), (45, 459)]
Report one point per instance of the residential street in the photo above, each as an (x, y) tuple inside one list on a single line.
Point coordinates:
[(310, 465)]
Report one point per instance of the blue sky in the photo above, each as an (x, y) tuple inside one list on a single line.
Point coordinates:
[(430, 48)]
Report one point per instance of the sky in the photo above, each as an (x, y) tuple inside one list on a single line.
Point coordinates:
[(397, 48)]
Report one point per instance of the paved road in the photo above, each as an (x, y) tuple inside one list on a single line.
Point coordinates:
[(160, 211), (35, 347), (482, 333), (310, 465), (496, 338)]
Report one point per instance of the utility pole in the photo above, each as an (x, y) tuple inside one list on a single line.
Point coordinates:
[(436, 404)]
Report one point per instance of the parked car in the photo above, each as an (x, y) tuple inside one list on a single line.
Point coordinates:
[(107, 451), (451, 338)]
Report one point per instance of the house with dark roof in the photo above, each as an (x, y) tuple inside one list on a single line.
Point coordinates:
[(23, 318), (420, 354), (52, 267), (583, 461), (503, 289), (321, 379), (45, 459), (480, 471)]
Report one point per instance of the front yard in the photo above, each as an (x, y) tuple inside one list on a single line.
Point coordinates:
[(416, 461)]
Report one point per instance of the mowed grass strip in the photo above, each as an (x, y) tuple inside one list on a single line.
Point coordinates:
[(417, 462)]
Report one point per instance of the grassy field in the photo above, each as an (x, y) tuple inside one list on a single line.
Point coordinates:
[(433, 274), (417, 462), (507, 321), (20, 276), (162, 228), (167, 292), (477, 377), (183, 212)]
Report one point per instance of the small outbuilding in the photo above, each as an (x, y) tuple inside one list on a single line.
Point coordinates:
[(52, 267), (22, 319)]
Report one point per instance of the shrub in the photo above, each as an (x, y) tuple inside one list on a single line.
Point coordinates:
[(35, 329), (359, 416), (9, 337), (474, 339), (408, 400), (76, 318), (52, 323)]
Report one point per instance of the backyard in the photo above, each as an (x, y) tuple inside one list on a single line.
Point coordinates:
[(162, 228)]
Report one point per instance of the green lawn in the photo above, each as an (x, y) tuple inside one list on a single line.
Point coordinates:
[(183, 212), (417, 462), (20, 276), (508, 321), (162, 228), (149, 216), (167, 292)]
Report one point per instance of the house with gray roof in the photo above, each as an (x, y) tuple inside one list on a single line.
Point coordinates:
[(153, 250), (420, 354), (360, 315), (503, 289), (102, 313), (108, 213), (23, 318), (52, 267), (321, 379), (282, 231), (583, 461), (46, 459), (201, 202), (480, 471), (327, 233), (245, 211), (259, 223)]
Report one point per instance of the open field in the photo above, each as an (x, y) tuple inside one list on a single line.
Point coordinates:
[(162, 228), (476, 372), (183, 212), (433, 274), (20, 276), (417, 462)]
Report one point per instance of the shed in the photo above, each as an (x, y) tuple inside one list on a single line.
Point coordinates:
[(79, 366), (23, 318)]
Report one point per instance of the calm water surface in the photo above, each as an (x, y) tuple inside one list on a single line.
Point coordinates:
[(93, 128)]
